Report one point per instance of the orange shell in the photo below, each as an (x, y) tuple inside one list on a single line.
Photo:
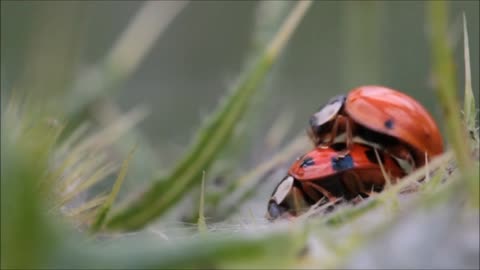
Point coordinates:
[(394, 113), (323, 162)]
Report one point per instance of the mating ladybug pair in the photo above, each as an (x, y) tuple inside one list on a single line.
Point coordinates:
[(347, 132)]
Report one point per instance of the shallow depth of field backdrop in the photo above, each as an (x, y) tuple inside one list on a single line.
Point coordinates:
[(46, 46)]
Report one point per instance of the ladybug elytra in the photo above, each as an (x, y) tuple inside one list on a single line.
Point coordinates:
[(382, 118), (326, 173)]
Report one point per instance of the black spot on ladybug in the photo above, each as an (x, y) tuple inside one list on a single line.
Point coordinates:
[(370, 153), (342, 163), (307, 161), (389, 124)]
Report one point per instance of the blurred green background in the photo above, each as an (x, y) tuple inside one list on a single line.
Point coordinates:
[(338, 46)]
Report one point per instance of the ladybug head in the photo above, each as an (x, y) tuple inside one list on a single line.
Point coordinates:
[(320, 120), (276, 205)]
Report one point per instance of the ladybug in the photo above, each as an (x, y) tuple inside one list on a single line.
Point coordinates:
[(380, 117), (325, 173)]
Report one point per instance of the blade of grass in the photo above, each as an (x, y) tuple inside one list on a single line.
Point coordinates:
[(268, 16), (85, 165), (277, 249), (211, 139), (392, 200), (202, 225), (102, 214), (469, 99), (97, 176), (443, 68), (146, 158), (26, 239), (89, 205), (74, 155)]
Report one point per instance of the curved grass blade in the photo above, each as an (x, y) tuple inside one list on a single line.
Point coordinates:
[(211, 139), (268, 16), (471, 115), (102, 214), (443, 68)]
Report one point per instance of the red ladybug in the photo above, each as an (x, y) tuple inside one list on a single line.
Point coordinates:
[(380, 117), (326, 173)]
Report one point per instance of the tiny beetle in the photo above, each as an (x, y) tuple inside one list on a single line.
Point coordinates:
[(326, 173), (382, 118)]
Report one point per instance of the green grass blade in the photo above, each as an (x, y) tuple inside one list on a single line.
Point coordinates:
[(211, 139), (202, 225), (268, 16), (102, 214), (26, 240), (87, 206), (98, 175), (443, 68), (469, 100), (222, 251)]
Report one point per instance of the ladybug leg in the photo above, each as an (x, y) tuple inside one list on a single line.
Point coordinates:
[(354, 186), (349, 133), (313, 138), (348, 136), (311, 193), (320, 189), (333, 134), (338, 124), (297, 201)]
